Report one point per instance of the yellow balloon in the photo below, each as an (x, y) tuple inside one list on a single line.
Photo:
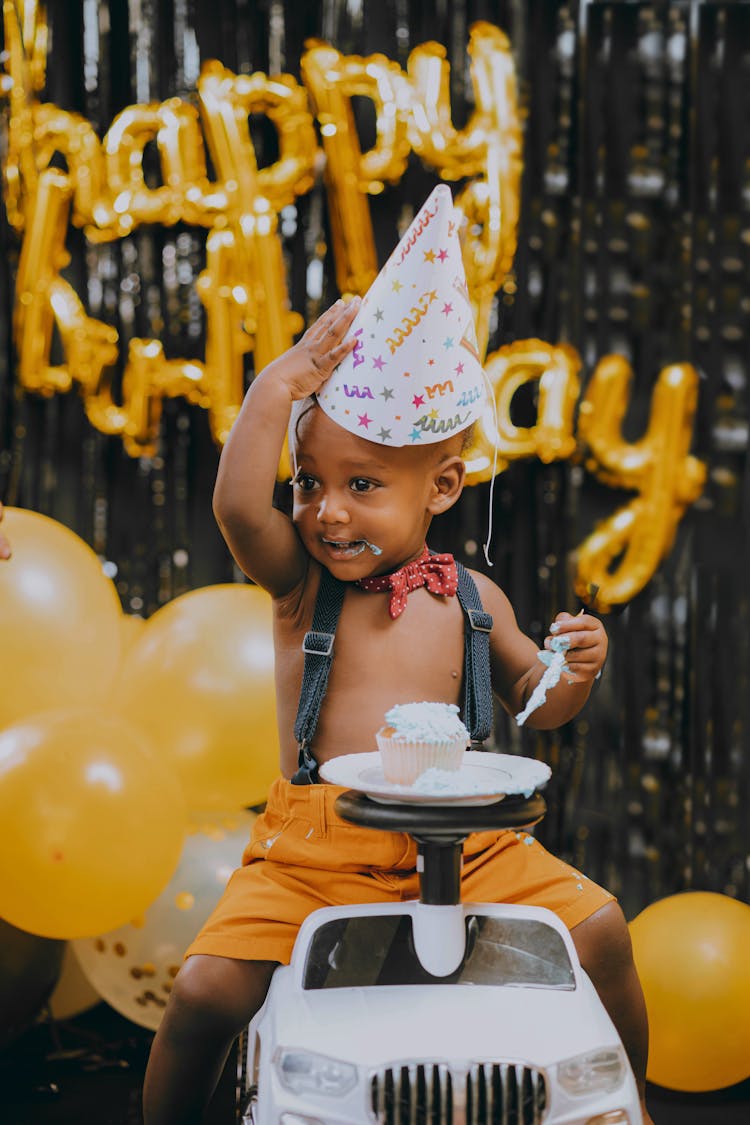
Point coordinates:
[(91, 823), (59, 619), (131, 628), (691, 954), (200, 682)]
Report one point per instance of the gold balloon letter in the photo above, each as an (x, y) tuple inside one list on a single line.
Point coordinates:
[(555, 369), (44, 300), (488, 148), (332, 80), (624, 551), (173, 125), (253, 196)]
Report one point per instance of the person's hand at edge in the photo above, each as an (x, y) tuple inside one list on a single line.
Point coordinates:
[(5, 551)]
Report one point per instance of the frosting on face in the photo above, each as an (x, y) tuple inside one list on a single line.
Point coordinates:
[(426, 722)]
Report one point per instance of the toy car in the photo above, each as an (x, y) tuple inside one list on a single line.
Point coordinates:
[(434, 1013)]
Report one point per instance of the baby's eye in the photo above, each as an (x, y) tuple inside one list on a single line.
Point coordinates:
[(304, 482), (361, 484)]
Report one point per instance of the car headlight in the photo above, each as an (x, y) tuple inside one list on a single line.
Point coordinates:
[(302, 1072), (592, 1072)]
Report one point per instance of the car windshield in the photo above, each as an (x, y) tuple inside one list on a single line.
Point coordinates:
[(378, 949)]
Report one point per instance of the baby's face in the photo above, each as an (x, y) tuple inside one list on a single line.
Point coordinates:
[(359, 508)]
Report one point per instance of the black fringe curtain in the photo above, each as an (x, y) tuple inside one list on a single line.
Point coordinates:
[(634, 238)]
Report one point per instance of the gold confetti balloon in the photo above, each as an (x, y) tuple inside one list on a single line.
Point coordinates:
[(133, 967)]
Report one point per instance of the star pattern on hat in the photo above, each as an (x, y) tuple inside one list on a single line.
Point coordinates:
[(416, 314)]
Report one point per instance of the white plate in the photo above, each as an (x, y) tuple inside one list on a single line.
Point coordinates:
[(483, 779)]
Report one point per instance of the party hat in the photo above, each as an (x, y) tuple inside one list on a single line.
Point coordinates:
[(414, 376)]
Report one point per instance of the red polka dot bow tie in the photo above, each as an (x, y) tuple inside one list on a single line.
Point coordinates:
[(437, 572)]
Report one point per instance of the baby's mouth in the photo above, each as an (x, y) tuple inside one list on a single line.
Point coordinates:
[(346, 549)]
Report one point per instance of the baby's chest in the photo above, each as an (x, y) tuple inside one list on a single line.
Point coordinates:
[(375, 669), (377, 662), (423, 647)]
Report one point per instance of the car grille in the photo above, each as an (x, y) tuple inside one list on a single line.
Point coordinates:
[(436, 1094)]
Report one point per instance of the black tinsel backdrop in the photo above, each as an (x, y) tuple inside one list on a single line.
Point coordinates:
[(634, 238)]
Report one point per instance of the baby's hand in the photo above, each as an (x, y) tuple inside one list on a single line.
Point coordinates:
[(304, 368), (4, 544), (588, 645)]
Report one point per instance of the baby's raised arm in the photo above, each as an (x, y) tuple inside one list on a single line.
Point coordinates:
[(262, 539)]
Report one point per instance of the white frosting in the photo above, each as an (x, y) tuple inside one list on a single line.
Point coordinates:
[(426, 722), (556, 665), (521, 776), (435, 781)]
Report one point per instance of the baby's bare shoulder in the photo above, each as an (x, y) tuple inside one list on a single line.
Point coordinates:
[(494, 600)]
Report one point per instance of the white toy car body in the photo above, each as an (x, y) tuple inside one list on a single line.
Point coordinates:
[(355, 1030)]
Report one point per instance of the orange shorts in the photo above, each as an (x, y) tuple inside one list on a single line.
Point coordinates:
[(302, 856)]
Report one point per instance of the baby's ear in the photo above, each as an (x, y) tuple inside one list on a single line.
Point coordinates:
[(448, 484)]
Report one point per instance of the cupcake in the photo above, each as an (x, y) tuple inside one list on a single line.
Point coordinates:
[(418, 737)]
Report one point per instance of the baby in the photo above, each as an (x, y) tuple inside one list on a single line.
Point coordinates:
[(379, 413), (362, 510)]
